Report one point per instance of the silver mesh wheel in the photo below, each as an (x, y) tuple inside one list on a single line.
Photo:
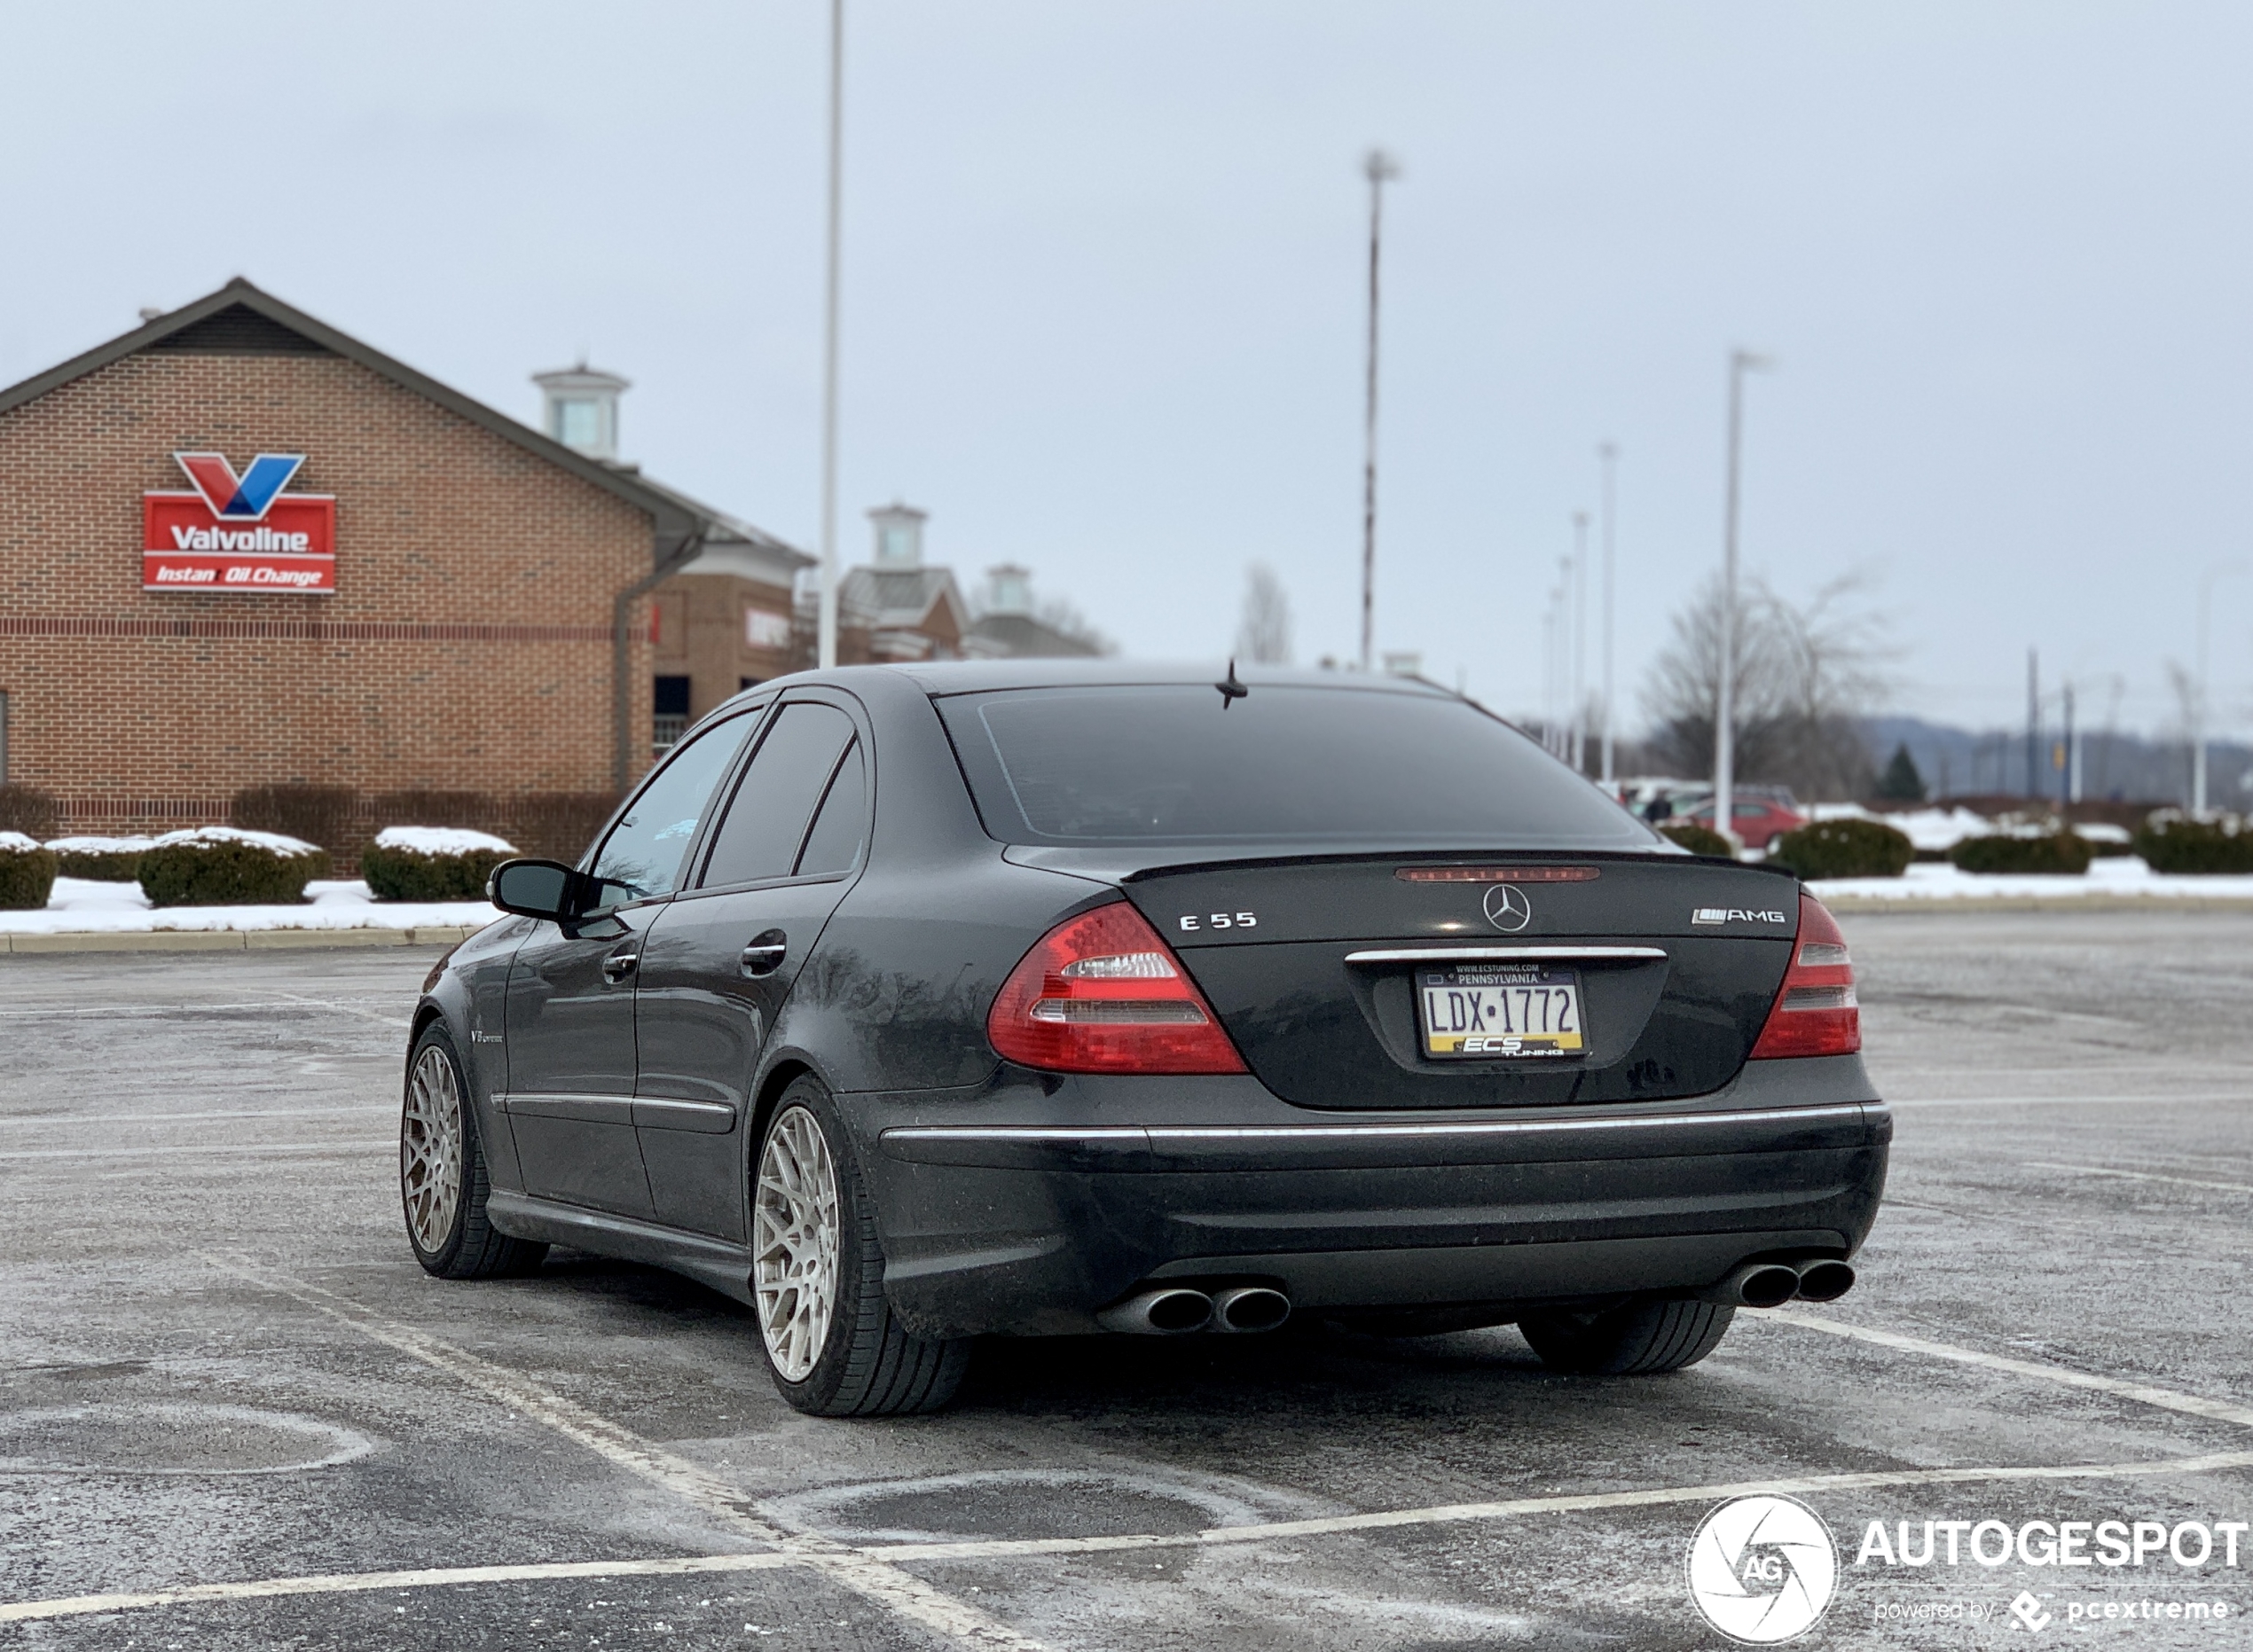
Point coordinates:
[(794, 1243), (430, 1151)]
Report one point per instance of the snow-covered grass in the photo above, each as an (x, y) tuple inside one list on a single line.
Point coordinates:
[(80, 905), (2116, 876), (441, 841)]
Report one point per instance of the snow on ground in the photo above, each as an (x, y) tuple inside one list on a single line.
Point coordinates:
[(441, 841), (2118, 875), (79, 905)]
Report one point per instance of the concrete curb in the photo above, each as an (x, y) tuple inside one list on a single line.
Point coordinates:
[(1859, 903), (226, 940)]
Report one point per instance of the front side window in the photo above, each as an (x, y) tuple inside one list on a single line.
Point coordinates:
[(641, 857)]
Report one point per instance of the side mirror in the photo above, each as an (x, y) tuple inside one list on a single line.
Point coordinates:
[(534, 888)]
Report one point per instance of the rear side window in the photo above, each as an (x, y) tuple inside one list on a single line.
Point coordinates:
[(834, 842), (1175, 765), (766, 821)]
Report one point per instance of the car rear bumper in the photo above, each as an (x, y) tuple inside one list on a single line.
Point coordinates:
[(1025, 1206)]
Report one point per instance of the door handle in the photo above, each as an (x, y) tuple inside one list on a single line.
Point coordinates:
[(764, 955), (618, 965)]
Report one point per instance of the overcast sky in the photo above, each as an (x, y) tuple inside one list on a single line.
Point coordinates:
[(1105, 274)]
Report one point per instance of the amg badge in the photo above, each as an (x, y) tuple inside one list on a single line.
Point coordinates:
[(1736, 914)]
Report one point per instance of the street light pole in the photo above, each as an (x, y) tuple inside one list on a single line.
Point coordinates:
[(1580, 642), (2219, 570), (1724, 730), (825, 628), (1609, 454), (1379, 167)]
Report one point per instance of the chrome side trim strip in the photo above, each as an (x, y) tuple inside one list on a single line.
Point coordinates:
[(1489, 954), (710, 1118), (598, 1110), (1254, 1134)]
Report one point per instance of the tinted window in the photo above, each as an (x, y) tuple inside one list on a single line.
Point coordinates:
[(834, 842), (766, 821), (641, 857), (1359, 766)]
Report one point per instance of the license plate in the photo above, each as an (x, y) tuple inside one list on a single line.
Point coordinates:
[(1499, 1012)]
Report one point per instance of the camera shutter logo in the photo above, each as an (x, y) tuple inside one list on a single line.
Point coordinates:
[(1507, 908), (1762, 1569)]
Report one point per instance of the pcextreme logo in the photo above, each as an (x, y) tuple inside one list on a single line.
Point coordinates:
[(239, 532)]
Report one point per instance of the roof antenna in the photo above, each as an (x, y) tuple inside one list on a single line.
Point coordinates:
[(1230, 689)]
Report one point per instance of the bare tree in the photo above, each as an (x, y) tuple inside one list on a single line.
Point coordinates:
[(1805, 676), (1263, 636)]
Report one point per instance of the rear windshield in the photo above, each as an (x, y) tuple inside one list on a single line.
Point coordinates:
[(1177, 765)]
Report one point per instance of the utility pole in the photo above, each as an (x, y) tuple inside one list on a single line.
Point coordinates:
[(2033, 723), (1725, 726), (2069, 782), (1609, 454), (1379, 168), (826, 627), (2200, 697), (1580, 642)]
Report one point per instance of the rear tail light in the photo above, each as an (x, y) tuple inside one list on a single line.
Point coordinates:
[(1815, 1011), (1102, 993)]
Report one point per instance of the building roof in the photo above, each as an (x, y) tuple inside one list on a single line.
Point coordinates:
[(1022, 637), (902, 598), (241, 319)]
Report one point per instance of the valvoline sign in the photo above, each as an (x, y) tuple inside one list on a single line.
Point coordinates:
[(239, 532)]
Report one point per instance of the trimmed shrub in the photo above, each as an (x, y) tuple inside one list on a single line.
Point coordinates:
[(431, 864), (28, 811), (1696, 839), (2174, 842), (328, 816), (2057, 852), (27, 872), (219, 866), (1844, 848), (103, 859)]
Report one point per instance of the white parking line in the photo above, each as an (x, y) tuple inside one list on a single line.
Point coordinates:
[(364, 1111), (2143, 1393), (887, 1585), (2174, 1100), (2139, 1175), (353, 1144), (1004, 1548)]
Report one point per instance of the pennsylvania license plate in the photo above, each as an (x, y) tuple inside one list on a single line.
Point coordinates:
[(1499, 1012)]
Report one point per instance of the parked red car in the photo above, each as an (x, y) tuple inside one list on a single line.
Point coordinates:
[(1760, 817)]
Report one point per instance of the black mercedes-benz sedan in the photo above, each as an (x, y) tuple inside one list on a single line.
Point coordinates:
[(913, 1004)]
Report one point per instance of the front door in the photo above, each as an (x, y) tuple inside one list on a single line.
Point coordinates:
[(570, 1019), (721, 960)]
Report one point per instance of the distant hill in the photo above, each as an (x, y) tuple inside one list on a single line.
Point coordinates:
[(1958, 761)]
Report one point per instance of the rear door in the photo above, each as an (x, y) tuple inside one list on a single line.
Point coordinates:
[(571, 1014), (723, 956), (1318, 970)]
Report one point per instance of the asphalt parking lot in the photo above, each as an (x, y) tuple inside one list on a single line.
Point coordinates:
[(229, 1394)]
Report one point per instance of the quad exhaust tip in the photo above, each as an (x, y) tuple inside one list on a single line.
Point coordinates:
[(1178, 1309), (1245, 1308), (1772, 1284)]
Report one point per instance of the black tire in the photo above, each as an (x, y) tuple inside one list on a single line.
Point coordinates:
[(467, 1246), (1634, 1340), (869, 1364)]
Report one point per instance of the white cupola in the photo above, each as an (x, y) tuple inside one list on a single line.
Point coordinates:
[(582, 410), (899, 536)]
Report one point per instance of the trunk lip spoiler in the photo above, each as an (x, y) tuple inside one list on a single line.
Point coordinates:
[(1432, 954)]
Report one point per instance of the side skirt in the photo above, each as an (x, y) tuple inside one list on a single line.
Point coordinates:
[(725, 1267)]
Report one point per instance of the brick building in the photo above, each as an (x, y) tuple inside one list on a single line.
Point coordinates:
[(503, 612)]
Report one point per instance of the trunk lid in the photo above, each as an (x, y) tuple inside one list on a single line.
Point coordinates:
[(1272, 944)]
